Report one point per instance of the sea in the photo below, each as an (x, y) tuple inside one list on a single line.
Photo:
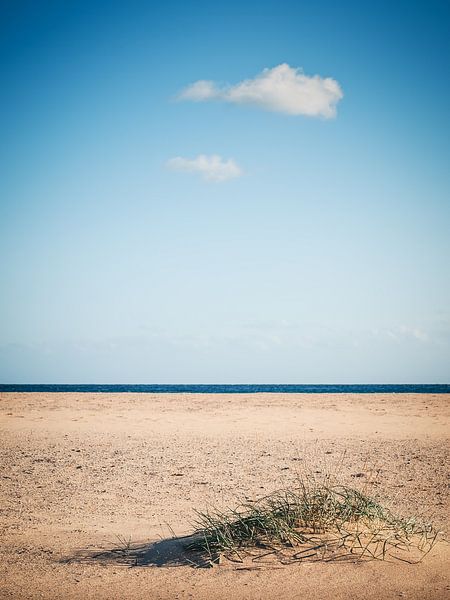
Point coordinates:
[(233, 388)]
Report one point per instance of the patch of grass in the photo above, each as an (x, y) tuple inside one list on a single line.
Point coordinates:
[(319, 521)]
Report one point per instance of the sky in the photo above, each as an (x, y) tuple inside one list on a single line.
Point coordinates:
[(239, 192)]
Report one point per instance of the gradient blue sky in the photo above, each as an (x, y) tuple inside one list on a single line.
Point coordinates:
[(325, 262)]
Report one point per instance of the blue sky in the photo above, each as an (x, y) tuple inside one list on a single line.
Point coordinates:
[(320, 256)]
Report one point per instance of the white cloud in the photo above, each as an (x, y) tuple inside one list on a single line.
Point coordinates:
[(281, 89), (211, 168), (403, 334), (200, 90)]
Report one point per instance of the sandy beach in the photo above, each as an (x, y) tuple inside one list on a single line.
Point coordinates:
[(79, 472)]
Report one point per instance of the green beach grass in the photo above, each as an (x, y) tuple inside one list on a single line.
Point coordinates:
[(312, 521)]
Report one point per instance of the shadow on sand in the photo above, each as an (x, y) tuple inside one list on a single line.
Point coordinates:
[(174, 552), (169, 552)]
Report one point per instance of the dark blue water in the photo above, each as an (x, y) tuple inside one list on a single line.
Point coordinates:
[(234, 389)]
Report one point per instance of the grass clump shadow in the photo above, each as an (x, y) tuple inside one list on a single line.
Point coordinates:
[(312, 521)]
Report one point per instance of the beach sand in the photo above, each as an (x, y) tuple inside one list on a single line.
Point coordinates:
[(80, 471)]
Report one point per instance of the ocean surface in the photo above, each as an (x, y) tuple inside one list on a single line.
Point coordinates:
[(233, 389)]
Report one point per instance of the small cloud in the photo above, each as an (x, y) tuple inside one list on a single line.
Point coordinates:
[(211, 168), (414, 333), (282, 89), (199, 91), (402, 334)]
